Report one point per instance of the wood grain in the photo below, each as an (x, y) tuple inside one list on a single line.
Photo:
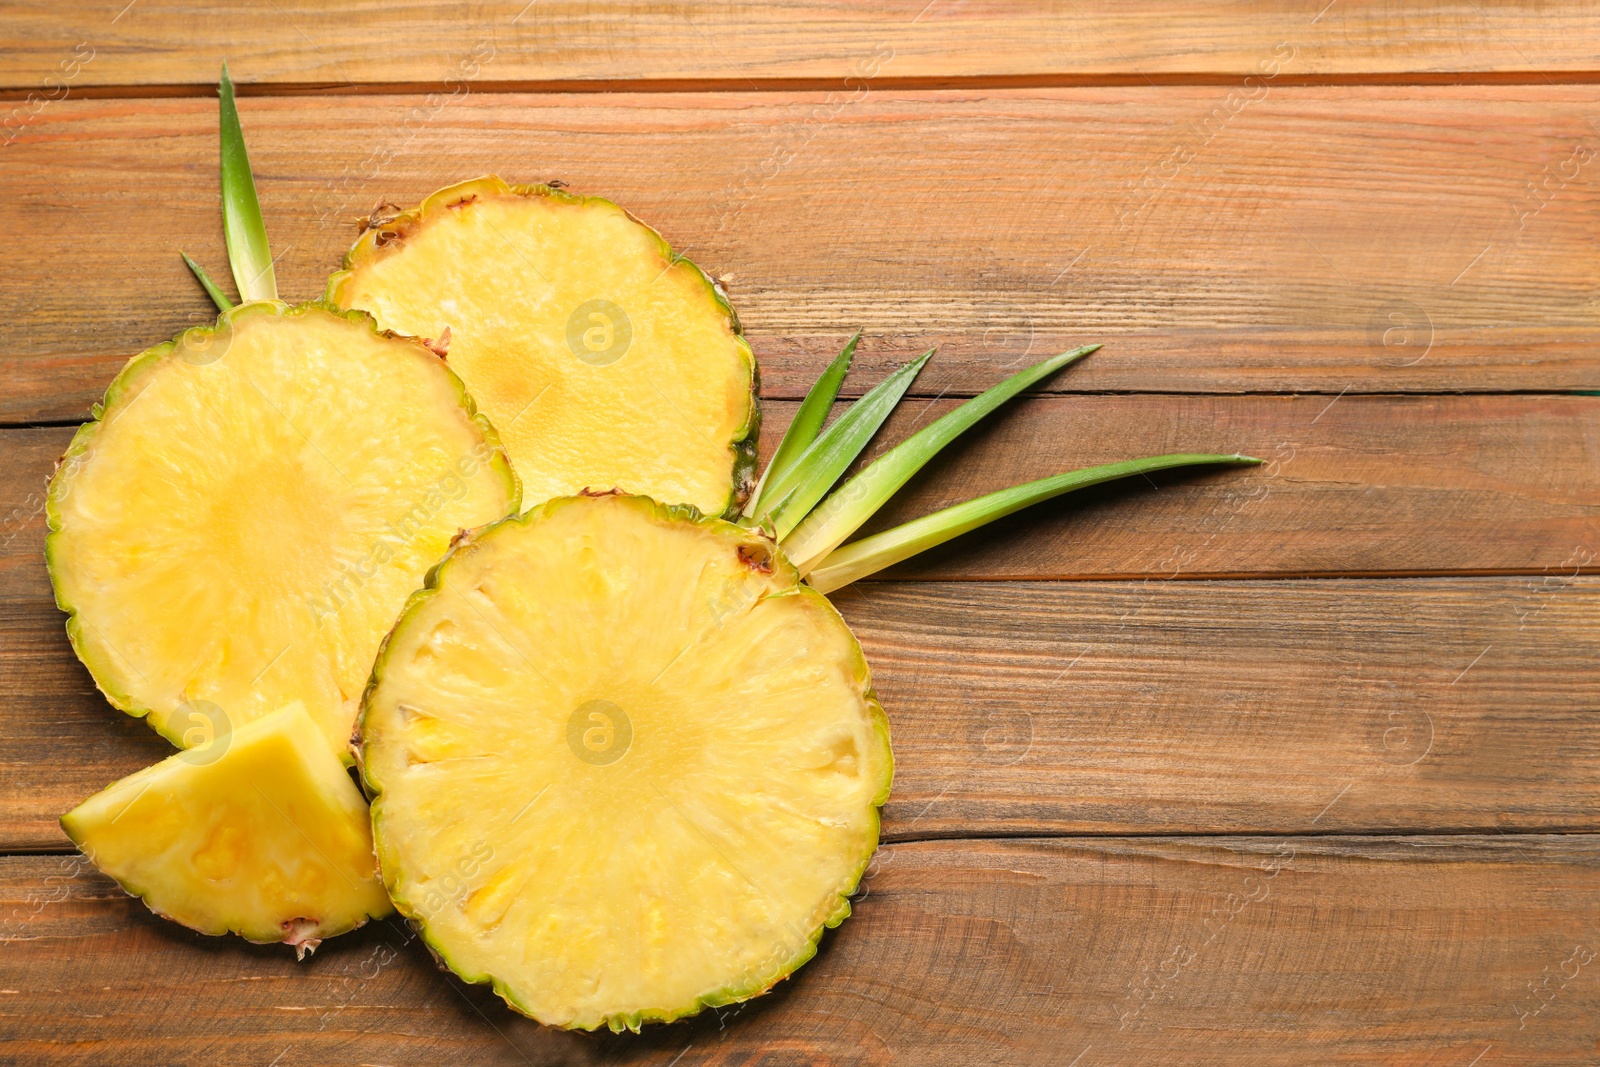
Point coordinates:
[(1183, 688), (1352, 486), (1102, 708), (1360, 239), (1417, 950), (1389, 205), (1228, 706), (160, 43), (1358, 485)]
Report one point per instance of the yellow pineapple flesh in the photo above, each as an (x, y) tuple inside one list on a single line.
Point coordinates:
[(624, 765), (604, 359), (259, 831), (252, 505)]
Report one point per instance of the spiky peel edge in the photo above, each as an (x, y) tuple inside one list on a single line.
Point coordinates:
[(840, 911), (125, 388), (393, 231)]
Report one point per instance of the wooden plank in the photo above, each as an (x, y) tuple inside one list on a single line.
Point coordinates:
[(1126, 707), (1209, 707), (1104, 708), (1364, 484), (1353, 486), (1244, 951), (160, 43), (1414, 238)]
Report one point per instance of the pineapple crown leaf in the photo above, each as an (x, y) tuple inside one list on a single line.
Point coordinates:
[(871, 554), (809, 460), (843, 512), (242, 225), (808, 479), (218, 297), (807, 423)]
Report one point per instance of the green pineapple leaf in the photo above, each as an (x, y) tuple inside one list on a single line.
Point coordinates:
[(853, 503), (806, 425), (813, 474), (246, 233), (871, 554), (218, 297)]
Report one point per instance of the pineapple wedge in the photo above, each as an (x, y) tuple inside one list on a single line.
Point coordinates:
[(623, 764), (604, 360), (251, 506), (259, 832)]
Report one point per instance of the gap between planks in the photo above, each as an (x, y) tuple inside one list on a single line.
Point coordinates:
[(1198, 836), (850, 393), (931, 83)]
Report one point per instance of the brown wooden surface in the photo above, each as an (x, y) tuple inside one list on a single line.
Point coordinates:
[(1426, 950), (161, 43), (1325, 239), (1286, 766), (1103, 708), (1359, 485), (1215, 676)]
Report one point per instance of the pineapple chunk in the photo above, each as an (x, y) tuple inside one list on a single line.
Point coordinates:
[(605, 360), (250, 508), (624, 765), (260, 832)]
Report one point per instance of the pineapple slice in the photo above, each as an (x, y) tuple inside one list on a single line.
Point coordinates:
[(624, 765), (260, 832), (605, 360), (251, 506)]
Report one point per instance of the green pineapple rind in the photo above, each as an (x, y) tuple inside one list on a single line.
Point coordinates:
[(719, 998), (124, 389), (367, 249)]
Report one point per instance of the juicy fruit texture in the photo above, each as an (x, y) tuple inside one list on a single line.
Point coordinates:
[(252, 505), (624, 765), (604, 360), (261, 833)]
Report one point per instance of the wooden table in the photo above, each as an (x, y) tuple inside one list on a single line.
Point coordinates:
[(1290, 766)]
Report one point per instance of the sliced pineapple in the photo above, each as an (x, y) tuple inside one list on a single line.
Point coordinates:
[(259, 832), (624, 765), (252, 504), (605, 360)]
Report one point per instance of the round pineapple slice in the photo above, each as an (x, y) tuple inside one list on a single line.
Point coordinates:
[(623, 764), (243, 519), (605, 360)]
